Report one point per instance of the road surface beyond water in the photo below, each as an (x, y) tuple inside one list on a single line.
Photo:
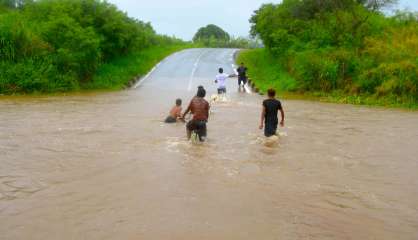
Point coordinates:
[(103, 166)]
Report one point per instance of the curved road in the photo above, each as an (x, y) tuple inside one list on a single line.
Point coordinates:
[(104, 166)]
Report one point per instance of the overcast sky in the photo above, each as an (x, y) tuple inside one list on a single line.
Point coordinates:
[(183, 18)]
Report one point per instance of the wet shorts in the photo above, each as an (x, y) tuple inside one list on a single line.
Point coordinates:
[(198, 126), (221, 90), (242, 80), (270, 129), (170, 119)]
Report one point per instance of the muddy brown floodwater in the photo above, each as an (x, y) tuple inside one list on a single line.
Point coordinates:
[(104, 166)]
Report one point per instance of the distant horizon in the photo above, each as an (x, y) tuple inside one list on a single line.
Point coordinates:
[(183, 18)]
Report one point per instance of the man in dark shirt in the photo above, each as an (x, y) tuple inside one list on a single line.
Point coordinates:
[(242, 75), (269, 119), (199, 107)]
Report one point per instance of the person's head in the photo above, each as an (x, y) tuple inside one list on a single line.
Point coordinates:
[(242, 64), (178, 102), (271, 93), (199, 88), (201, 93), (221, 70)]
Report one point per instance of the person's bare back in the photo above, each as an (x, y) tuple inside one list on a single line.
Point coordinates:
[(199, 107), (175, 113)]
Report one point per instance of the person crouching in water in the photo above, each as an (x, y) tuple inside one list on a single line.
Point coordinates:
[(175, 113), (269, 119), (199, 107)]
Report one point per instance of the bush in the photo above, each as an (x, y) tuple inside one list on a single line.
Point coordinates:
[(391, 78), (58, 45), (315, 70), (347, 47)]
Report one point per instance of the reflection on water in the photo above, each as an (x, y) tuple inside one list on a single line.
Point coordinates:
[(106, 167)]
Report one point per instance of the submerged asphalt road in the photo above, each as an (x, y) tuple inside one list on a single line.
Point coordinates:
[(186, 70), (104, 166)]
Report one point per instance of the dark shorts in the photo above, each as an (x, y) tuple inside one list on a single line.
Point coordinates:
[(270, 129), (221, 90), (198, 126), (170, 119), (242, 80)]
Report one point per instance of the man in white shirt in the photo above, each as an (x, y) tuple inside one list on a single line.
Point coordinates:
[(221, 81)]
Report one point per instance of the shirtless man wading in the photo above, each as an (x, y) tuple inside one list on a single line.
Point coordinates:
[(199, 107)]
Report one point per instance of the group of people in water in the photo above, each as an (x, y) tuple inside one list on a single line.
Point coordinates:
[(199, 108)]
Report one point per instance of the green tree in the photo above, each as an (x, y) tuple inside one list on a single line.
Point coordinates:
[(58, 45), (211, 31), (345, 45)]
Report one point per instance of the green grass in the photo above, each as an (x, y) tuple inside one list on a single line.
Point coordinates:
[(369, 100), (120, 72), (266, 72), (115, 75)]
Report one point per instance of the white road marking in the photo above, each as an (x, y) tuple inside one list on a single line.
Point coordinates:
[(246, 88), (195, 65), (140, 82), (235, 68)]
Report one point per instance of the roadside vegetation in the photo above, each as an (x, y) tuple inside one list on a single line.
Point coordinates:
[(67, 45), (213, 36), (342, 51)]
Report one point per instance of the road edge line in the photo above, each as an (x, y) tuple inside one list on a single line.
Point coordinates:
[(234, 67), (143, 79)]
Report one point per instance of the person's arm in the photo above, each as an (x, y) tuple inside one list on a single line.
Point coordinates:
[(282, 113), (207, 110), (263, 116), (187, 111), (178, 113)]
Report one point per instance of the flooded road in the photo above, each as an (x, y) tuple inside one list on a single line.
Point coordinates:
[(104, 166)]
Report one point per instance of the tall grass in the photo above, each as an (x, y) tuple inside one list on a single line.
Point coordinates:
[(65, 45), (265, 70), (118, 73), (347, 52)]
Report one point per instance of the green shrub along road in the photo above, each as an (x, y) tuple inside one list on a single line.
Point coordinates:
[(347, 52), (119, 72), (51, 46)]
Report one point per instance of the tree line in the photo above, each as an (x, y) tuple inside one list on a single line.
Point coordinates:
[(57, 45), (215, 37), (348, 46)]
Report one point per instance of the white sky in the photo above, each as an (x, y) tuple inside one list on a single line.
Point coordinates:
[(182, 18)]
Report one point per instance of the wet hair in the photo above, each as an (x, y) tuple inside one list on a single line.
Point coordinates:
[(271, 92), (178, 102), (199, 88), (201, 93), (242, 63), (221, 70)]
